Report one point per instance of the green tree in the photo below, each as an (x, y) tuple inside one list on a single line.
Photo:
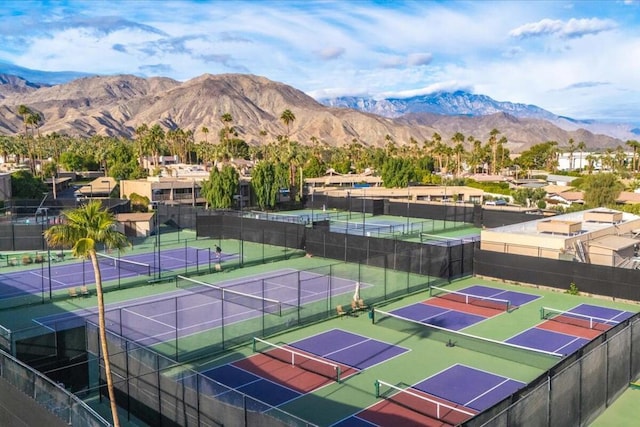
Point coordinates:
[(398, 172), (25, 186), (84, 228), (220, 188), (634, 160), (287, 117), (601, 189), (267, 179)]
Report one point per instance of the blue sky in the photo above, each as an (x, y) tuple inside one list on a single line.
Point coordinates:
[(575, 58)]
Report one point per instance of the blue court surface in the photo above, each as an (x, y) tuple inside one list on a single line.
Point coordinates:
[(565, 342), (270, 387)]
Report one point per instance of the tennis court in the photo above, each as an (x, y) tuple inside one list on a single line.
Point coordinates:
[(564, 332), (72, 274), (449, 397), (281, 372), (200, 306), (460, 309)]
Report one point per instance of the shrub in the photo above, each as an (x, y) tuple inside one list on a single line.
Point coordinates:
[(573, 289)]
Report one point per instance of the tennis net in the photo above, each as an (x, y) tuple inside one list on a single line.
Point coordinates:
[(465, 298), (293, 357), (367, 226), (436, 239), (140, 268), (418, 402), (576, 319), (266, 305), (529, 356)]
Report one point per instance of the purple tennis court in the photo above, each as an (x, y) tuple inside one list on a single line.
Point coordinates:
[(350, 349), (567, 336), (70, 275), (200, 306), (469, 387), (458, 388), (280, 381), (517, 299), (438, 316), (463, 308)]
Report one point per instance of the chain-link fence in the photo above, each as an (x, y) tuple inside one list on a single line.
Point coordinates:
[(153, 389), (52, 396), (576, 390)]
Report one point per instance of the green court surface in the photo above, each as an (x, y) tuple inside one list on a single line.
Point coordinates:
[(624, 412), (336, 401)]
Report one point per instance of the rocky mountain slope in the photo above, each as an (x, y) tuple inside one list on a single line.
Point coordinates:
[(461, 103), (116, 105)]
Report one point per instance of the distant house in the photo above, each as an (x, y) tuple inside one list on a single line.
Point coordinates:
[(561, 180), (566, 198), (138, 224), (628, 198)]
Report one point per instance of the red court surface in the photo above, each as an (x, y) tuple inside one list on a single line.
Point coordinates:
[(291, 376), (460, 306), (576, 331), (395, 411)]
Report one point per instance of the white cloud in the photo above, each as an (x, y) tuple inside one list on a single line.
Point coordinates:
[(571, 28), (520, 51)]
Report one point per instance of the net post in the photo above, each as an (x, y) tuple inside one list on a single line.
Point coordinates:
[(377, 386), (542, 313), (254, 344), (338, 373)]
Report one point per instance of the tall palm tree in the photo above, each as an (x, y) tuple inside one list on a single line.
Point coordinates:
[(581, 147), (83, 229), (287, 117), (493, 143), (634, 145), (571, 149)]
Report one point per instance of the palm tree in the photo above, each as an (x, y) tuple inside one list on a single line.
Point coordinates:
[(571, 149), (634, 145), (205, 131), (287, 117), (493, 143), (581, 147), (25, 112), (83, 229)]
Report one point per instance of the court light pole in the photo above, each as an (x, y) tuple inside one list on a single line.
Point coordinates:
[(349, 208), (364, 198)]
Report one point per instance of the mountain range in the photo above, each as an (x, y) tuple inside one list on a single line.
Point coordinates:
[(116, 105)]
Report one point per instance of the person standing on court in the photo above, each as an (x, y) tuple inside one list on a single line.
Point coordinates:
[(218, 253)]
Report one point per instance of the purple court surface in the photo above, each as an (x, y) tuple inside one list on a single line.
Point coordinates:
[(438, 316), (456, 320), (334, 345), (159, 318), (350, 349), (564, 343), (469, 387), (516, 298), (461, 385), (69, 275)]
